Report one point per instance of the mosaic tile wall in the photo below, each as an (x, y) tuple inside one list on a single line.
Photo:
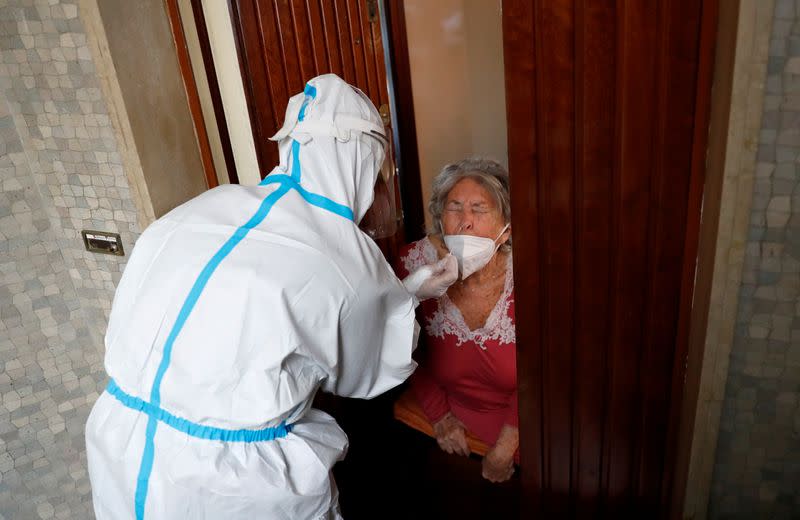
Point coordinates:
[(60, 172), (757, 468)]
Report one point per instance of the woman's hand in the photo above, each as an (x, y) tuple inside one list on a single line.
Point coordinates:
[(451, 435), (498, 464)]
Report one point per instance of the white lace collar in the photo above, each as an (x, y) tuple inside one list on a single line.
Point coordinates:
[(447, 319)]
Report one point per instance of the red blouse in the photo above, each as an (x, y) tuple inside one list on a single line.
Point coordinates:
[(471, 373)]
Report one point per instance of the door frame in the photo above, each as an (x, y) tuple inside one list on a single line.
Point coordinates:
[(717, 46), (188, 69)]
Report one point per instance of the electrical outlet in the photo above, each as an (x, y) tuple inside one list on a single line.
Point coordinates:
[(102, 242)]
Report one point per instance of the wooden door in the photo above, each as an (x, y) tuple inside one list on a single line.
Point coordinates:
[(607, 119)]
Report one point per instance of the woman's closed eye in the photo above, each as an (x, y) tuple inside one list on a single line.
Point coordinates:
[(457, 207)]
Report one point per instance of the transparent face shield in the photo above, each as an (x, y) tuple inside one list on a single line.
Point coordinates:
[(382, 218)]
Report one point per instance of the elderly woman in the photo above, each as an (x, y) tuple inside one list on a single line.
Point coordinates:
[(467, 380)]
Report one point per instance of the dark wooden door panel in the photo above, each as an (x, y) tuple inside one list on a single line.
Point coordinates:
[(602, 101), (556, 128), (638, 32), (518, 34), (594, 139)]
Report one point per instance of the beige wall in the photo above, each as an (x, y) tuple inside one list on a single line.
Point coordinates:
[(457, 77), (143, 53)]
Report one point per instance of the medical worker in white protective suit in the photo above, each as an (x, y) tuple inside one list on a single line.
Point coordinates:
[(233, 310)]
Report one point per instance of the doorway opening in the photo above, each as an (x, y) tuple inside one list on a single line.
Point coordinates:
[(598, 110)]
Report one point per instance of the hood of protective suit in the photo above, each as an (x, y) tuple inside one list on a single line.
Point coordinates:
[(346, 167)]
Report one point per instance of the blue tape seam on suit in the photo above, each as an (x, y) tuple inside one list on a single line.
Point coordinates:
[(311, 198), (310, 92), (193, 429), (146, 466)]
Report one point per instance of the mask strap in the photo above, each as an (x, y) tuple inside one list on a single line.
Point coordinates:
[(501, 233)]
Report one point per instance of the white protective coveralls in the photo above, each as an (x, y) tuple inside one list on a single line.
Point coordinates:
[(233, 310)]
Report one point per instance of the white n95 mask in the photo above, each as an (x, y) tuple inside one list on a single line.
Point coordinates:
[(472, 253)]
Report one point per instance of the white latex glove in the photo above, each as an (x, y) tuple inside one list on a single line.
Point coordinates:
[(432, 281), (451, 435)]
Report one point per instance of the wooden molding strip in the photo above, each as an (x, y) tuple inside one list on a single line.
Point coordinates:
[(214, 90), (192, 95)]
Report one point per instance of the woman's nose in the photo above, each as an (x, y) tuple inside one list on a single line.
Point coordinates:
[(466, 224)]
